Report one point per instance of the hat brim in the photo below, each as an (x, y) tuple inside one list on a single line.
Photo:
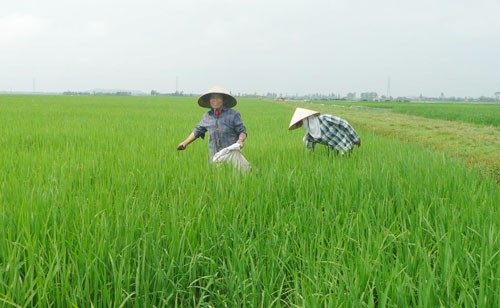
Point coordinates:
[(228, 100), (299, 115)]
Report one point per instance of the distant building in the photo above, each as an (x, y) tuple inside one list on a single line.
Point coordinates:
[(369, 96), (351, 96)]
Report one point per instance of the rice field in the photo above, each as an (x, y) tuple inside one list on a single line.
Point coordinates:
[(478, 113), (473, 136), (98, 209)]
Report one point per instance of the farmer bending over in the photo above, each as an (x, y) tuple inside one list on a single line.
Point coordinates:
[(326, 129)]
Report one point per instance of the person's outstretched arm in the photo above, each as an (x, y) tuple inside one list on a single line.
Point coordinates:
[(183, 145)]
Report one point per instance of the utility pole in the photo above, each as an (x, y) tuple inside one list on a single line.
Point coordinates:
[(388, 87)]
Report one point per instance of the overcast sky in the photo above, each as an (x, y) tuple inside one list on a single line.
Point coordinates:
[(424, 47)]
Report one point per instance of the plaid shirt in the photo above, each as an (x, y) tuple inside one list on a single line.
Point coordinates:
[(336, 133), (223, 130)]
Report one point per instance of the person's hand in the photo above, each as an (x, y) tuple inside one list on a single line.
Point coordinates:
[(358, 143), (181, 147), (241, 143)]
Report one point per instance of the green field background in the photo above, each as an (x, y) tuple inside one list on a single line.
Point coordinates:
[(478, 113), (99, 209)]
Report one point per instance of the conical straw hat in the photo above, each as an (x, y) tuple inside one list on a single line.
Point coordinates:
[(229, 100), (299, 115)]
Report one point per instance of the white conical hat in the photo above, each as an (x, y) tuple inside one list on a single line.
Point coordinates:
[(229, 100), (299, 115)]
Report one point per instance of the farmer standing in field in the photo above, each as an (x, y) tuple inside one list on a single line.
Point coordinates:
[(326, 129), (224, 124)]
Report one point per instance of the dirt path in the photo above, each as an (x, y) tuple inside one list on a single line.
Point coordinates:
[(477, 145)]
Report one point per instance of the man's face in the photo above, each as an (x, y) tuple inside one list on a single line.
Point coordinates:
[(216, 101)]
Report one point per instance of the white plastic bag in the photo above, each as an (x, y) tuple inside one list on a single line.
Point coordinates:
[(232, 155)]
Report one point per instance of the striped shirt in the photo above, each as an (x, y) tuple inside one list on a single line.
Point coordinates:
[(223, 130), (336, 133)]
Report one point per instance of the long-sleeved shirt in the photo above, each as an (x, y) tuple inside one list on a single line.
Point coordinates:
[(223, 130), (336, 133)]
